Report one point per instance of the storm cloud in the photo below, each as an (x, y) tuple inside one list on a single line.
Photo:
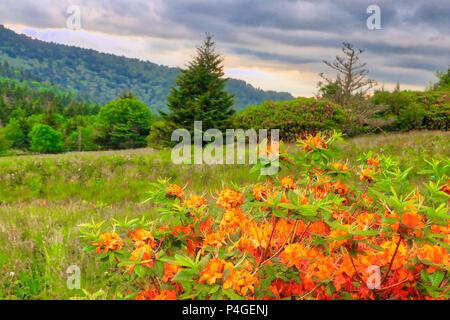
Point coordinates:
[(278, 36)]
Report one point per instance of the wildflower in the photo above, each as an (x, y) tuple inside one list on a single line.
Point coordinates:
[(195, 202), (261, 192), (287, 183), (434, 253), (296, 254), (175, 190), (232, 219), (312, 143), (367, 175), (413, 220), (170, 270), (214, 271), (373, 161), (183, 231), (338, 237), (166, 295), (215, 240), (241, 281), (144, 255), (445, 188), (340, 166), (153, 294), (109, 241), (141, 237), (229, 199)]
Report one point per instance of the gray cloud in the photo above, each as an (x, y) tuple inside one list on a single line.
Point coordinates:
[(414, 39)]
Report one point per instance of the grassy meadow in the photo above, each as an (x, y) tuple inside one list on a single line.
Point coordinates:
[(44, 198)]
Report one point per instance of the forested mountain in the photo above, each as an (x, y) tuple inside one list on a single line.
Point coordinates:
[(101, 77)]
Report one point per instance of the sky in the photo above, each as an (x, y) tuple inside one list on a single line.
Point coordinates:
[(272, 44)]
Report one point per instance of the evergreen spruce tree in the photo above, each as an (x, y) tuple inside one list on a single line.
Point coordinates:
[(200, 93)]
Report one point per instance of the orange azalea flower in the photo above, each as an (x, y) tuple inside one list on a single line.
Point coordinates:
[(206, 226), (170, 270), (214, 271), (367, 175), (215, 240), (413, 220), (338, 238), (185, 231), (373, 161), (312, 143), (287, 183), (175, 190), (340, 166), (232, 219), (297, 254), (153, 294), (144, 255), (166, 295), (261, 192), (141, 237), (445, 188), (434, 253), (147, 294), (195, 202), (340, 188), (229, 199), (109, 241), (241, 281)]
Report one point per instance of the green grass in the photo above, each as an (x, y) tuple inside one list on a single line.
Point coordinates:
[(44, 198)]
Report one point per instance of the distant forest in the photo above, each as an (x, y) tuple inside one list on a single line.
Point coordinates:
[(100, 77)]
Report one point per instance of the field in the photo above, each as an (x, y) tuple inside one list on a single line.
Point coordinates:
[(45, 198)]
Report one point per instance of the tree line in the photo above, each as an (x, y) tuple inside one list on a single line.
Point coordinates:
[(39, 117)]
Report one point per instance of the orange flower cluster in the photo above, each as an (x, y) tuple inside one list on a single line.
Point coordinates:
[(314, 142), (309, 236), (287, 183), (214, 271), (261, 192), (109, 241), (174, 190), (229, 199), (195, 202)]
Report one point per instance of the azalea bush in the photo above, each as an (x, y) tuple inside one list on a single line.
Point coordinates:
[(335, 230)]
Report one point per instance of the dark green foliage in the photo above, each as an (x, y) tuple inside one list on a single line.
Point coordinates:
[(160, 134), (415, 109), (293, 117), (44, 139), (200, 92), (14, 133), (24, 98), (102, 77), (124, 123), (444, 80)]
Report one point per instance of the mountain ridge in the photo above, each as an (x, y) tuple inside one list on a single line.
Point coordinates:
[(101, 77)]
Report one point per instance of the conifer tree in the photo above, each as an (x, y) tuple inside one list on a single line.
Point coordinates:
[(200, 93)]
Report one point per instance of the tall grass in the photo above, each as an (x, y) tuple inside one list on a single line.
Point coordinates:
[(44, 198)]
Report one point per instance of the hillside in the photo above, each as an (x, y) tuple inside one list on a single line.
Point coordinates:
[(101, 77)]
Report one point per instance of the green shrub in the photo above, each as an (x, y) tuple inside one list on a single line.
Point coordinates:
[(124, 123), (416, 109), (82, 139), (160, 134), (14, 133), (293, 117), (44, 139)]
